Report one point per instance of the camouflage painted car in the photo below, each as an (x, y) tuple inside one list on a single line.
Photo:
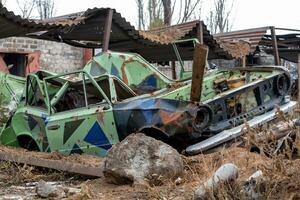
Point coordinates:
[(121, 93), (76, 113), (10, 93), (230, 95)]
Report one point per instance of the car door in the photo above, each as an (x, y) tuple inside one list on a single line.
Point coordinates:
[(82, 120), (29, 119)]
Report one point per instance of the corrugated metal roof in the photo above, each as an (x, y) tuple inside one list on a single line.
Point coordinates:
[(14, 25), (252, 36), (189, 30), (85, 29), (288, 45), (154, 45)]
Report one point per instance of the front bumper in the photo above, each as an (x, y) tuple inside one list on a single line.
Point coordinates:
[(235, 132)]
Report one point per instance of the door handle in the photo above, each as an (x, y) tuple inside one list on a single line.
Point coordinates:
[(53, 127)]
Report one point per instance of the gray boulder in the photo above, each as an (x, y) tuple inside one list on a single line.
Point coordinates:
[(141, 159)]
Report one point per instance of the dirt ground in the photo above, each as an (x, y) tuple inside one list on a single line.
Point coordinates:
[(280, 179)]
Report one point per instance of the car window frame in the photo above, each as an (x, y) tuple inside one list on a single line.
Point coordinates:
[(85, 76)]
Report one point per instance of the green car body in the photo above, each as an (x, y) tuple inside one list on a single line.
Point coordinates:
[(120, 93)]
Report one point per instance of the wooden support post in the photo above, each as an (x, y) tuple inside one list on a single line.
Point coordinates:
[(173, 66), (243, 61), (275, 47), (107, 30), (199, 62), (199, 28), (298, 93)]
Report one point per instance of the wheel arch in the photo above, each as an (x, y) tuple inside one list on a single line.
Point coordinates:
[(26, 141)]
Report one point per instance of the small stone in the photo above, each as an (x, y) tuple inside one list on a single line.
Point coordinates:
[(11, 197), (45, 190)]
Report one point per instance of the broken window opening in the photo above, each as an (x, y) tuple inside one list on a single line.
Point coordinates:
[(34, 95), (121, 91), (16, 63), (74, 95)]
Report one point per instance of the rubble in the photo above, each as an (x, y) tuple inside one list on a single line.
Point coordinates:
[(45, 190), (226, 173), (251, 184), (141, 159)]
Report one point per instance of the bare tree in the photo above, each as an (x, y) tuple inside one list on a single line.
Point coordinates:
[(45, 8), (141, 17), (167, 12), (160, 12), (219, 19), (3, 2), (155, 8), (26, 7), (187, 9)]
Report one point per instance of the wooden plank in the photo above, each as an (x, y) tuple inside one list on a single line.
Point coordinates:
[(41, 160), (199, 62)]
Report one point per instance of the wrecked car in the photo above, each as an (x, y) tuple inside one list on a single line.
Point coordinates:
[(121, 93), (76, 113)]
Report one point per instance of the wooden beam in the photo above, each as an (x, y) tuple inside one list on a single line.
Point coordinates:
[(275, 46), (243, 61), (107, 30), (199, 62), (173, 66), (41, 159)]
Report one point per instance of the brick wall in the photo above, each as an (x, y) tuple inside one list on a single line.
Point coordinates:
[(55, 57)]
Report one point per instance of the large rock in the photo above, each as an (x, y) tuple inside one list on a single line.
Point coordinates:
[(140, 158)]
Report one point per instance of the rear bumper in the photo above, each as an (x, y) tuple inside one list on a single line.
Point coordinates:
[(235, 132)]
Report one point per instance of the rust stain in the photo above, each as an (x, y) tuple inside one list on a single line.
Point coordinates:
[(100, 115), (168, 118), (33, 63), (124, 76), (3, 65)]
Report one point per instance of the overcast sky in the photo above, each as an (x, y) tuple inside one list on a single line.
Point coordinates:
[(247, 13)]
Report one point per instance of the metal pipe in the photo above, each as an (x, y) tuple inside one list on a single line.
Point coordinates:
[(275, 46), (107, 30), (199, 28), (288, 29)]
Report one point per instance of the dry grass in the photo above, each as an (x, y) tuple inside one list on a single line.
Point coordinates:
[(280, 174)]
